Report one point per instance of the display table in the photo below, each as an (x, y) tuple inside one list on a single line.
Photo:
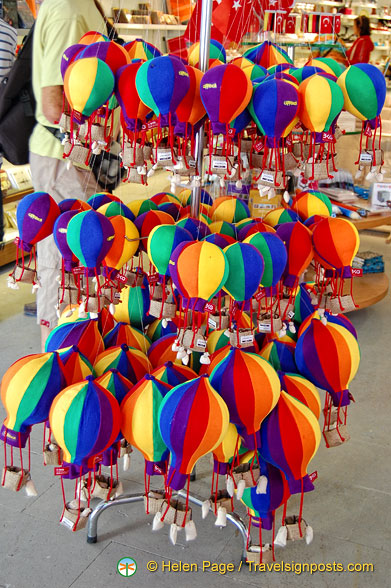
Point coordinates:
[(374, 220), (368, 289)]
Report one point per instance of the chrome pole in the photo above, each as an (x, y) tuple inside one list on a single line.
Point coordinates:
[(205, 25)]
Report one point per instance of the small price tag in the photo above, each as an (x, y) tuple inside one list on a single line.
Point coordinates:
[(267, 177), (157, 470), (212, 324), (357, 272), (164, 156), (291, 314), (117, 295), (61, 471), (209, 307), (258, 296), (313, 476), (258, 146), (264, 327), (366, 157), (231, 132), (153, 279), (191, 163), (17, 241), (288, 142), (219, 163), (67, 523), (201, 343), (122, 278), (251, 131), (246, 338), (296, 137)]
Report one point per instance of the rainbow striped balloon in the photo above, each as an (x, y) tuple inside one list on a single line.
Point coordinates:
[(193, 420), (301, 389), (140, 424), (133, 364)]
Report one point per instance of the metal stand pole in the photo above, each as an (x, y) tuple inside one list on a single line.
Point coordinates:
[(206, 19), (92, 529)]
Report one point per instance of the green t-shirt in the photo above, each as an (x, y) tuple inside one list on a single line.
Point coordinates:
[(60, 23)]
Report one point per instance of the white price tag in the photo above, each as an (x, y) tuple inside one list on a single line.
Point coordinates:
[(164, 156), (67, 523), (212, 323), (219, 164), (191, 163), (247, 338), (290, 314), (366, 157), (201, 343), (265, 327), (267, 177)]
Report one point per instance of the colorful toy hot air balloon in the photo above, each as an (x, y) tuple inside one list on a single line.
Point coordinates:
[(190, 110), (311, 202), (274, 255), (93, 37), (133, 364), (162, 83), (73, 204), (140, 49), (193, 420), (198, 270), (223, 228), (267, 54), (115, 208), (302, 389), (159, 328), (134, 305), (161, 243), (113, 54), (303, 303), (185, 196), (125, 244), (221, 241), (140, 424), (225, 451), (329, 356), (83, 333), (90, 251), (148, 221), (119, 387), (100, 198), (28, 389), (321, 103), (133, 109), (88, 84), (161, 351), (280, 355), (336, 242), (219, 83), (173, 374), (85, 419), (216, 51), (138, 207), (279, 216), (253, 227), (60, 229), (124, 333), (229, 209), (339, 319), (263, 505), (252, 71), (298, 243), (364, 91), (69, 56), (250, 387), (327, 64), (245, 270), (76, 365), (35, 216), (290, 437), (196, 227)]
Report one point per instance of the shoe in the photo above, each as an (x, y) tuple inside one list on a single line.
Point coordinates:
[(30, 309)]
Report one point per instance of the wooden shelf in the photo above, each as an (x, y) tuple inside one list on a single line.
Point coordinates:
[(375, 220), (15, 196), (369, 289), (150, 27)]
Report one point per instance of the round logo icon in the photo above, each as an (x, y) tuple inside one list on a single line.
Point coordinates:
[(126, 567)]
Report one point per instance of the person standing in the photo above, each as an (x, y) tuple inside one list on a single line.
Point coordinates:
[(60, 23), (8, 37), (362, 47)]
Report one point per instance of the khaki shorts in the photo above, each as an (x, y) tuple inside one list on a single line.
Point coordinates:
[(52, 176)]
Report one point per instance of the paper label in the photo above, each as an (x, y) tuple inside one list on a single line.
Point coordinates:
[(78, 270), (153, 278), (357, 272), (365, 157), (209, 307), (290, 314), (265, 327), (267, 177), (219, 164), (251, 131), (153, 124), (263, 205), (122, 278), (164, 156), (117, 295), (368, 131), (246, 338), (212, 323), (157, 470), (201, 343), (231, 132), (313, 476), (258, 146), (258, 296), (67, 523), (328, 138), (17, 241), (191, 163), (61, 471)]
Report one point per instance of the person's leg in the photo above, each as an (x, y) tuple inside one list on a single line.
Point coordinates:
[(51, 175)]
